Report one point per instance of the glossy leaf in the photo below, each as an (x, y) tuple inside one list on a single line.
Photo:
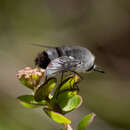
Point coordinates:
[(86, 121), (44, 90), (68, 83), (69, 100), (29, 102), (27, 82), (57, 117)]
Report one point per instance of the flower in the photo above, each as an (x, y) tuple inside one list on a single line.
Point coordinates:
[(30, 77)]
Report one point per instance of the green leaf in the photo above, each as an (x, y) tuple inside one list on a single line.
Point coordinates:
[(68, 83), (57, 117), (69, 101), (71, 104), (42, 93), (27, 82), (83, 124), (29, 102)]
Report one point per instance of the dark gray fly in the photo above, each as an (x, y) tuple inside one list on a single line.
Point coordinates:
[(66, 58)]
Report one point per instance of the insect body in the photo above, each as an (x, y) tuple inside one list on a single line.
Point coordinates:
[(66, 58)]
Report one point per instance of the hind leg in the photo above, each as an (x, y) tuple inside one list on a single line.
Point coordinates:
[(62, 76)]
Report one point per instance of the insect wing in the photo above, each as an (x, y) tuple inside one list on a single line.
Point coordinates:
[(63, 63), (53, 67), (44, 46)]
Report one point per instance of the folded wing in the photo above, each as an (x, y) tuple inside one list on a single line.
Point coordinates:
[(61, 64)]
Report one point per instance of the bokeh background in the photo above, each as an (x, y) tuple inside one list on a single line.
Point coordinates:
[(103, 26)]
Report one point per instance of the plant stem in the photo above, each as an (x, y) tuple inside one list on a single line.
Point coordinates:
[(68, 127)]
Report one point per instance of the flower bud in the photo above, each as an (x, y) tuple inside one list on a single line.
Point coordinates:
[(30, 77)]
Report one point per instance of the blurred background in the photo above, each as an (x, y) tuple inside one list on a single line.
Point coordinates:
[(103, 26)]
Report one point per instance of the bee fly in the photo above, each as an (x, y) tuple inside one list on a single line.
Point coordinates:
[(66, 58)]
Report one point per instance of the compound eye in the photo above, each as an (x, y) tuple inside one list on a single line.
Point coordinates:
[(42, 60)]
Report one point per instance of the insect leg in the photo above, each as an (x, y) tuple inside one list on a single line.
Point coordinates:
[(46, 78), (76, 74), (76, 87), (62, 76)]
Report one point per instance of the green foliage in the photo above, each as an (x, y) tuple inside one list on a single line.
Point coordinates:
[(72, 103), (57, 117), (69, 100), (85, 121), (29, 101), (64, 99), (45, 89), (69, 83), (28, 83), (30, 77)]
